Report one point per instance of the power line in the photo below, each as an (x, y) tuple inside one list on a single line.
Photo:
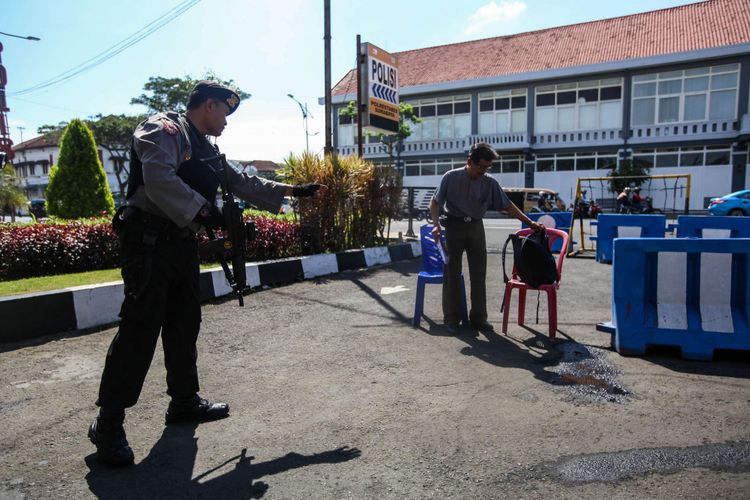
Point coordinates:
[(128, 42)]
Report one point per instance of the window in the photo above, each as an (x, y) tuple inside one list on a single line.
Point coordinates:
[(432, 167), (502, 111), (683, 157), (589, 105), (442, 118), (508, 164), (576, 161), (696, 94)]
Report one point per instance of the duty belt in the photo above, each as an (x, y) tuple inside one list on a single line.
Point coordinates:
[(162, 226)]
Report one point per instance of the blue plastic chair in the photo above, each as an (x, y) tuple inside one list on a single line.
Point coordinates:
[(432, 272)]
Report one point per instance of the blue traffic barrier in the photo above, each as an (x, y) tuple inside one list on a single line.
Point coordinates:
[(611, 226), (688, 293), (553, 220), (699, 226)]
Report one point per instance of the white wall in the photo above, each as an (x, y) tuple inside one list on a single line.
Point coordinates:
[(39, 181)]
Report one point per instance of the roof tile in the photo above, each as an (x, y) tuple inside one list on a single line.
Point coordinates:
[(703, 25)]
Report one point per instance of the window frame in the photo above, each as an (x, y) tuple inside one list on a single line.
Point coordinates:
[(709, 72)]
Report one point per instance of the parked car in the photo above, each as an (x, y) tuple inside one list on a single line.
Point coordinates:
[(37, 208), (731, 204), (527, 199)]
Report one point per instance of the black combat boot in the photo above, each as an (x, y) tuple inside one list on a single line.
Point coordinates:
[(195, 409), (108, 434)]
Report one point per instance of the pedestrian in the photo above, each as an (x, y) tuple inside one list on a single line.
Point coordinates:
[(464, 195), (171, 196)]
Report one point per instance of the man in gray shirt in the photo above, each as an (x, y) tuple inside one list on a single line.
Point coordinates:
[(465, 194)]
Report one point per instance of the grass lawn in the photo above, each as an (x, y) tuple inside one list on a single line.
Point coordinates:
[(47, 283)]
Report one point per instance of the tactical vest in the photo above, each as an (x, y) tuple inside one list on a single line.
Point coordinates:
[(193, 172)]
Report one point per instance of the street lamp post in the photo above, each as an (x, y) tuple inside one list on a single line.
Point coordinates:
[(305, 114)]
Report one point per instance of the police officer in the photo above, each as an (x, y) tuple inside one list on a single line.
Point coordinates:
[(171, 195)]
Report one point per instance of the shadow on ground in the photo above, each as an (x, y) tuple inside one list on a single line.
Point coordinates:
[(167, 471)]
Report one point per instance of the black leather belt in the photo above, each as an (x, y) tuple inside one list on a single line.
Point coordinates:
[(454, 218)]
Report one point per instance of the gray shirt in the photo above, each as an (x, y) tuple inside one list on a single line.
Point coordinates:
[(460, 196), (162, 144)]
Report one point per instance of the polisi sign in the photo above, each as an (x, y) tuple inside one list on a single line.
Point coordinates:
[(379, 77)]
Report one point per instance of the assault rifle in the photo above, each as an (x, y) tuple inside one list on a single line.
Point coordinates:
[(230, 246)]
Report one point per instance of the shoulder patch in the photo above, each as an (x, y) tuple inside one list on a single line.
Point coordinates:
[(168, 126)]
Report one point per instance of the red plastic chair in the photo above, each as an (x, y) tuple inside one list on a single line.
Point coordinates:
[(550, 290)]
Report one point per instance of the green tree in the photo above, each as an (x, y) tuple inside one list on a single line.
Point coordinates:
[(171, 94), (627, 168), (11, 195), (77, 184), (114, 133)]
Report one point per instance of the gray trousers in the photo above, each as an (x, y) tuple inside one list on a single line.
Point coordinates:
[(459, 237)]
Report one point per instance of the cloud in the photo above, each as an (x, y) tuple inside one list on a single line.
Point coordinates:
[(494, 12)]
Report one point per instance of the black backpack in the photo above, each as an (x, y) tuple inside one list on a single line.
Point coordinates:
[(534, 262)]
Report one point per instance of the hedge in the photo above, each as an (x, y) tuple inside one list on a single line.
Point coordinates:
[(58, 248)]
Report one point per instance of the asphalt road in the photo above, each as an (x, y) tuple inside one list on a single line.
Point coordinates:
[(335, 395)]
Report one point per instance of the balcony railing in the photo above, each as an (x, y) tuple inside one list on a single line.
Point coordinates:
[(599, 137), (504, 141), (714, 129), (411, 148)]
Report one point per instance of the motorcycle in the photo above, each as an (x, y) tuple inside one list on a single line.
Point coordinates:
[(586, 208), (644, 207)]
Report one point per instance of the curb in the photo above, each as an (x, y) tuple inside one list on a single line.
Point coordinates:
[(25, 317)]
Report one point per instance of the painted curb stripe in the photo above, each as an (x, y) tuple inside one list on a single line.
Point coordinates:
[(77, 308), (42, 314), (351, 259)]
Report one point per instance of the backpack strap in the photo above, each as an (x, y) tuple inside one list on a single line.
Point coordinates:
[(511, 237)]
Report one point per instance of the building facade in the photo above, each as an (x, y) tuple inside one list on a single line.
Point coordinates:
[(667, 89), (34, 159)]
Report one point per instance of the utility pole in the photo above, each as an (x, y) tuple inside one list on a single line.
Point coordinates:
[(327, 61), (359, 98), (20, 131)]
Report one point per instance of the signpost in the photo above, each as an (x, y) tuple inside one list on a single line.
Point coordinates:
[(378, 71)]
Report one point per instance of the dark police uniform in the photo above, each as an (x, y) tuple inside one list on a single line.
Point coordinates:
[(160, 266)]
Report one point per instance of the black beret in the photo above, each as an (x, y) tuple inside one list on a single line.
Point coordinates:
[(210, 88)]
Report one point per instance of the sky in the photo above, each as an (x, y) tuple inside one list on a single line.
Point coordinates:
[(270, 48)]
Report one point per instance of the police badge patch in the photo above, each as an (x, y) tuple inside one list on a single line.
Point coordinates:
[(169, 127)]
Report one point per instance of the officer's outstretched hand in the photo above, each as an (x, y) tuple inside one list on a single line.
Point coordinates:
[(302, 190)]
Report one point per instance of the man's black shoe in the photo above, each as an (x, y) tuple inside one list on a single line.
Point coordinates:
[(112, 446), (196, 409), (453, 328), (483, 326)]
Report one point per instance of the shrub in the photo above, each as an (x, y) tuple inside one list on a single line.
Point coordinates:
[(360, 199), (57, 247), (77, 184), (47, 249)]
